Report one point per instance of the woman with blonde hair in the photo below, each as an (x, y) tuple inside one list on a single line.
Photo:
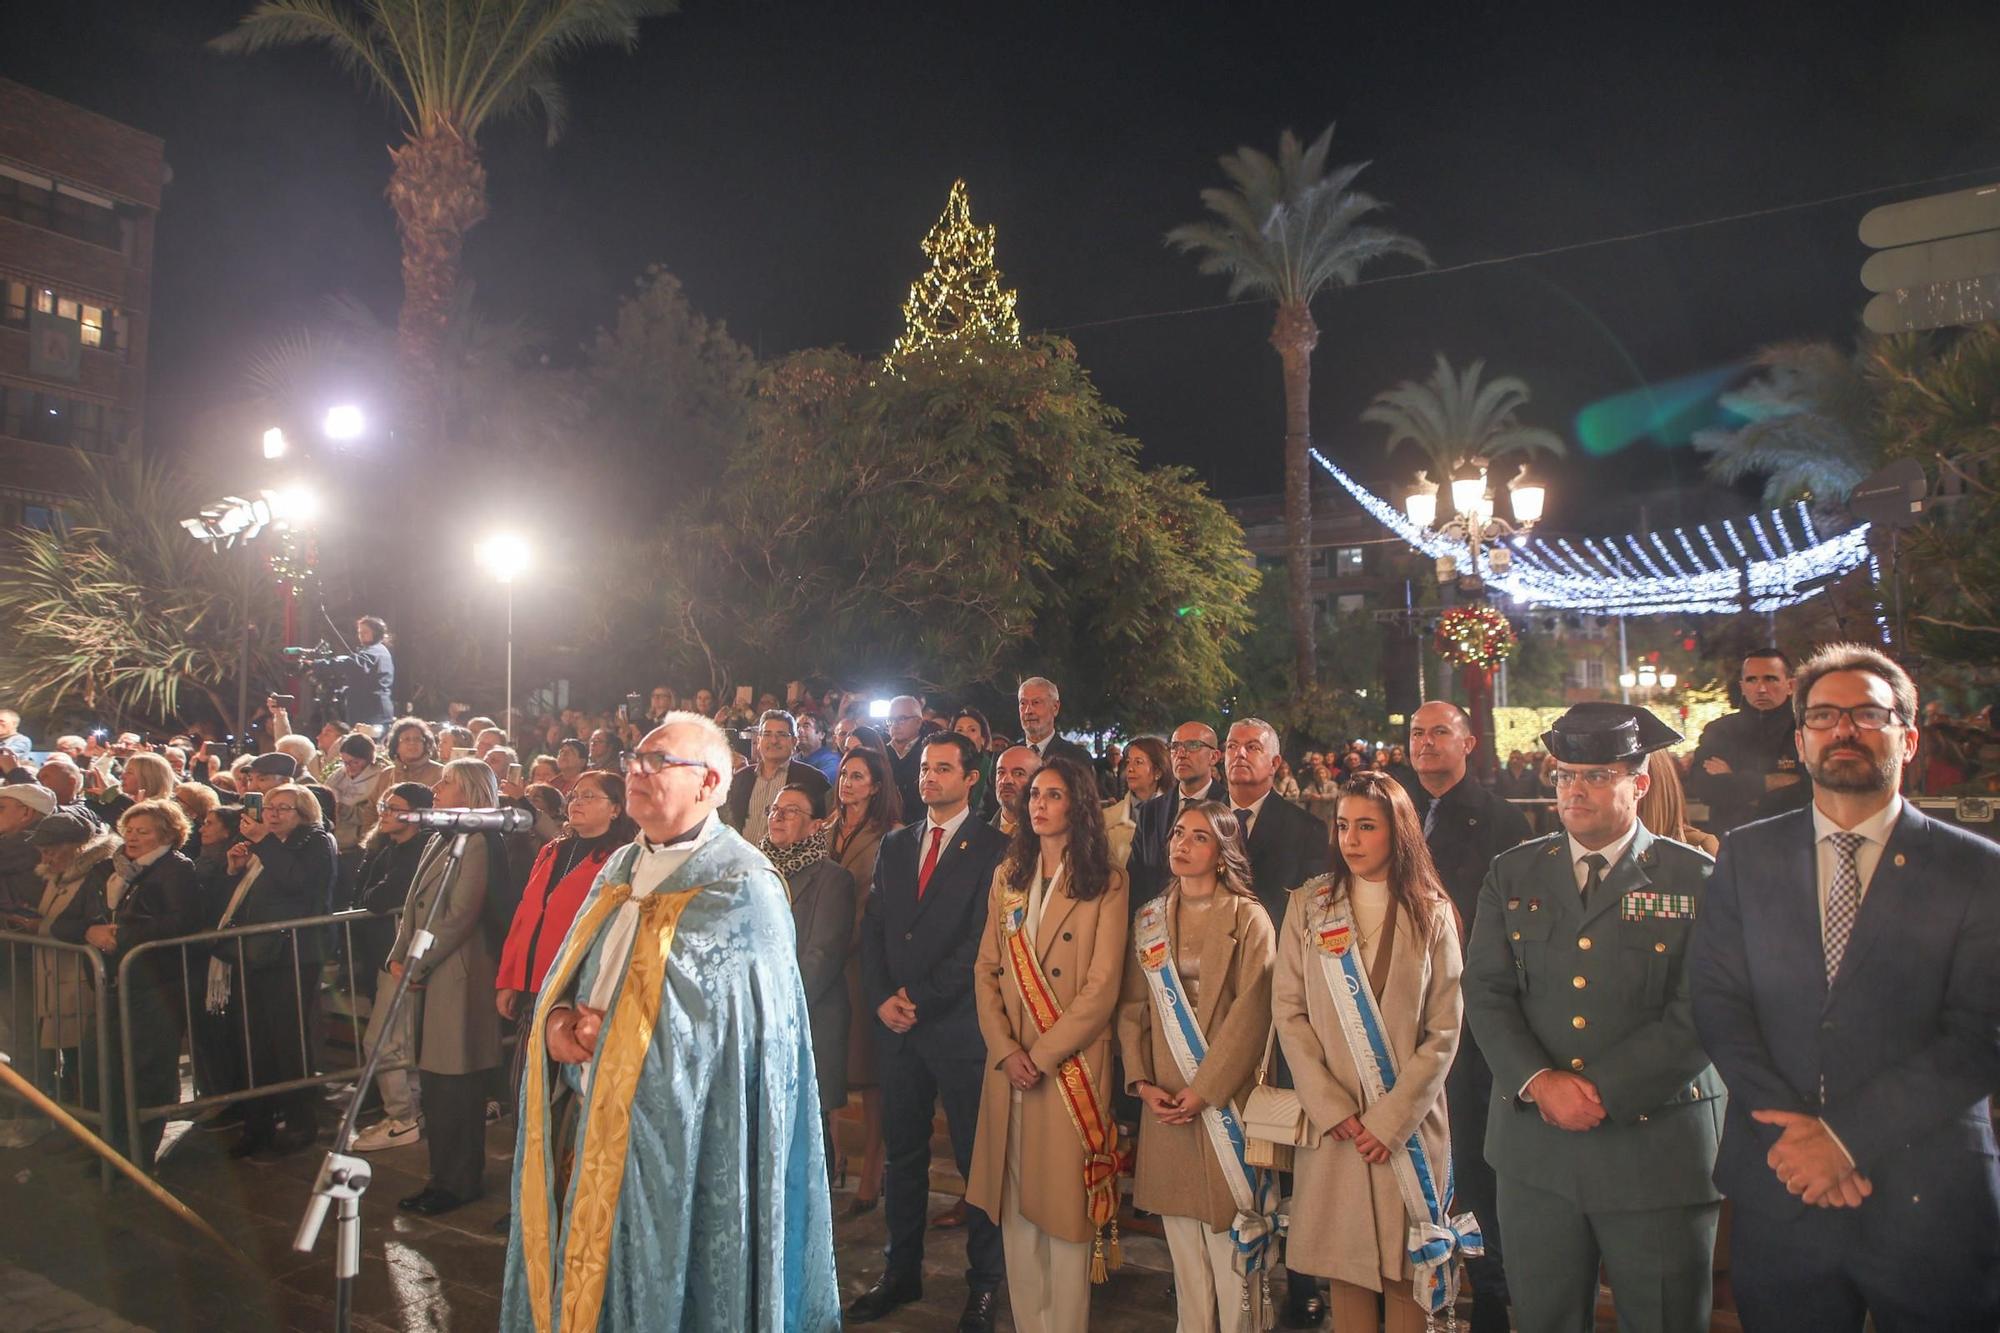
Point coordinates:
[(1663, 809), (1366, 1001), (1192, 1026), (1051, 961)]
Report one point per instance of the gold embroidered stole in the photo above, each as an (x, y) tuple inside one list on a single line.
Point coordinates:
[(599, 1173)]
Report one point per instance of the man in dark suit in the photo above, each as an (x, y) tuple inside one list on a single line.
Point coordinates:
[(1846, 979), (1039, 702), (1747, 764), (919, 937), (1193, 754), (1465, 826), (755, 787), (906, 750), (1286, 846)]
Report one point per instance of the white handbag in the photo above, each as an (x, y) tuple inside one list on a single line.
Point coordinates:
[(1274, 1120)]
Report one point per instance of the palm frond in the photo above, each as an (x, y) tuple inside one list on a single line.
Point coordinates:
[(1454, 418)]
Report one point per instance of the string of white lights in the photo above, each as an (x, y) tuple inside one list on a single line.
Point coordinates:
[(1558, 576)]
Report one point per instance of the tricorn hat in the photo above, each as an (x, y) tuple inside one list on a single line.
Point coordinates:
[(1604, 733)]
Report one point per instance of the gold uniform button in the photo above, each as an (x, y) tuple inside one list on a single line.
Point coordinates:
[(1517, 934), (1576, 1063), (1583, 943), (1578, 982), (1659, 946), (1578, 1022)]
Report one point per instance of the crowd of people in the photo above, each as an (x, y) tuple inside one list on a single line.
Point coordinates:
[(1384, 1052)]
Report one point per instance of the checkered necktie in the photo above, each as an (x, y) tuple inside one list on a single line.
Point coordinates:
[(1431, 818), (1843, 899)]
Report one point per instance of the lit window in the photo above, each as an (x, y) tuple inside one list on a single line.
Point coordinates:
[(45, 301), (66, 308), (93, 326), (15, 297), (1348, 561)]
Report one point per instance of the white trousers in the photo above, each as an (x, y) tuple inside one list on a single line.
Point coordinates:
[(1048, 1279), (1208, 1291)]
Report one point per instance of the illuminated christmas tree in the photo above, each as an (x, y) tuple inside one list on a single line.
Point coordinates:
[(959, 299)]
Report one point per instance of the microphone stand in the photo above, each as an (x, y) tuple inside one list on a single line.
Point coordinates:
[(343, 1178)]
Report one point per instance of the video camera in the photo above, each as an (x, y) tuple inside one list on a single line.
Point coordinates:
[(321, 654)]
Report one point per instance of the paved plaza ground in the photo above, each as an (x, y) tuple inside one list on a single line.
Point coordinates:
[(76, 1260)]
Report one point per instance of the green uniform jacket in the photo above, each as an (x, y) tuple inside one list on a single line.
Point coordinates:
[(1601, 991)]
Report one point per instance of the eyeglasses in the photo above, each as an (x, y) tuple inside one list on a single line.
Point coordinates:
[(906, 717), (281, 809), (774, 735), (1189, 747), (1865, 717), (384, 808), (786, 812), (650, 762), (1597, 779), (579, 797)]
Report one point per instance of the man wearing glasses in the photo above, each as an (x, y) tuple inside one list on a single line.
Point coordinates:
[(906, 756), (1847, 981), (1605, 1113), (1192, 753), (753, 790), (668, 1089)]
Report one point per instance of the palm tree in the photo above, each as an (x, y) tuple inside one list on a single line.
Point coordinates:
[(1286, 231), (1809, 431), (448, 67), (1455, 420)]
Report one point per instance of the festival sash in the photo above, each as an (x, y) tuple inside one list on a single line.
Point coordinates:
[(1434, 1235), (584, 1252), (1094, 1126), (1253, 1192)]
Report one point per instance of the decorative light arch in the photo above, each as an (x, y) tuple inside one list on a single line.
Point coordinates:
[(1657, 573)]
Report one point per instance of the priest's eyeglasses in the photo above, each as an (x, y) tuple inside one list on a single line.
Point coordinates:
[(1865, 717), (651, 762)]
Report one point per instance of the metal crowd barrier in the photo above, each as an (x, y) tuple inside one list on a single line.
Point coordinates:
[(137, 1115), (23, 1035)]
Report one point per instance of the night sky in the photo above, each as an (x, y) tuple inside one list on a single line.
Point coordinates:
[(785, 160)]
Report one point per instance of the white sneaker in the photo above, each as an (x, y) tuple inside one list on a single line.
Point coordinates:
[(389, 1134)]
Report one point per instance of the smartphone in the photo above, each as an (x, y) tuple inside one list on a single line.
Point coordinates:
[(253, 804), (286, 701), (513, 772), (635, 708), (222, 752), (745, 695)]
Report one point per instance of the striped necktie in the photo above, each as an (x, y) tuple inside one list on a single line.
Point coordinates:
[(1843, 899)]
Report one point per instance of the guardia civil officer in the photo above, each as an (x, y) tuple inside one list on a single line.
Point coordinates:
[(1605, 1113)]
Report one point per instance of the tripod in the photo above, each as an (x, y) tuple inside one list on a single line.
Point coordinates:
[(343, 1178)]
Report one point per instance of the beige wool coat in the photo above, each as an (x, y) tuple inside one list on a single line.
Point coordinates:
[(1422, 1008), (1082, 952), (1177, 1173)]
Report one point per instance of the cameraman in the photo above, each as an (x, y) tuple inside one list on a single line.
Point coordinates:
[(367, 676)]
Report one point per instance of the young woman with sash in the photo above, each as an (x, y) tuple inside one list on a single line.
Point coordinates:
[(1192, 1028), (1051, 960), (1366, 1001)]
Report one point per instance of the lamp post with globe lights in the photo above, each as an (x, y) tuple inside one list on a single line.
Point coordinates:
[(505, 556), (1472, 519)]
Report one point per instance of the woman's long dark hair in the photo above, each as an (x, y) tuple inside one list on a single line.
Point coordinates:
[(1414, 885), (885, 807), (1089, 854)]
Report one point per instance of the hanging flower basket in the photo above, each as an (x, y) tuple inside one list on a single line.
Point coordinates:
[(1475, 636)]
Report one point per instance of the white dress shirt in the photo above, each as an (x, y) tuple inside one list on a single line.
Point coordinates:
[(1255, 808), (950, 827), (1875, 830)]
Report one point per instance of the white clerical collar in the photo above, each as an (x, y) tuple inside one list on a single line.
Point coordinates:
[(1610, 852), (1876, 828)]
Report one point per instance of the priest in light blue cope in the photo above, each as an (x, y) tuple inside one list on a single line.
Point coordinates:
[(669, 1173)]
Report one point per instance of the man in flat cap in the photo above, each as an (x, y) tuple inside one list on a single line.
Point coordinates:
[(1605, 1113)]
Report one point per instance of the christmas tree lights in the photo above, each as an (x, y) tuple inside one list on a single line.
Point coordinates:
[(1476, 636), (959, 299)]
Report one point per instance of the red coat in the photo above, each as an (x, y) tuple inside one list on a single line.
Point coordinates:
[(544, 915)]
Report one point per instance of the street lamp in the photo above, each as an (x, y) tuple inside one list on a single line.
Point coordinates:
[(505, 555), (1472, 518)]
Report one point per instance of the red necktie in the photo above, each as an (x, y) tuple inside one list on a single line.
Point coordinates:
[(930, 863)]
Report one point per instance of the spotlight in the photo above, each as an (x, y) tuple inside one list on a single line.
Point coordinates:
[(503, 555), (274, 443), (344, 422)]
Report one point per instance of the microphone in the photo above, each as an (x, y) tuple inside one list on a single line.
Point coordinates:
[(508, 819)]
